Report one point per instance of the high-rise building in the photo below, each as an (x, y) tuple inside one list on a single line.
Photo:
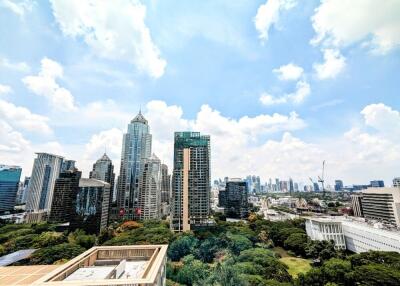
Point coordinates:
[(253, 184), (25, 192), (9, 182), (382, 204), (190, 202), (90, 206), (222, 197), (278, 185), (338, 185), (296, 187), (396, 182), (65, 190), (291, 186), (316, 187), (20, 193), (377, 184), (149, 198), (165, 184), (235, 199), (45, 171), (356, 204), (103, 170), (284, 186), (67, 165), (136, 146)]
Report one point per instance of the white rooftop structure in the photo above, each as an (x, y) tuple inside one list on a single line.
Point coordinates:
[(359, 236), (143, 265)]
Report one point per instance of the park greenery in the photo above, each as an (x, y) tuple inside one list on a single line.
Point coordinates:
[(255, 252)]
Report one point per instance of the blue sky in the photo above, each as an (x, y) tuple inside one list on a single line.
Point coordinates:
[(280, 85)]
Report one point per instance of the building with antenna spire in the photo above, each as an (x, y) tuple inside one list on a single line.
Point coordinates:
[(136, 146)]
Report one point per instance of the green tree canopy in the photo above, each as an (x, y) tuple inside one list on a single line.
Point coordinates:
[(181, 247)]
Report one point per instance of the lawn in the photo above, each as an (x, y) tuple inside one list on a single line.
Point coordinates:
[(296, 265), (280, 251)]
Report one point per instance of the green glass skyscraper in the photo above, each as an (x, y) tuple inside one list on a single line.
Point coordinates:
[(9, 180)]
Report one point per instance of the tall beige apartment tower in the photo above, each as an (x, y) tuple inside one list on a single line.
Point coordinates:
[(190, 201)]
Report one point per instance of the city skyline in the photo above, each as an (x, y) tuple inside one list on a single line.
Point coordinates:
[(270, 109)]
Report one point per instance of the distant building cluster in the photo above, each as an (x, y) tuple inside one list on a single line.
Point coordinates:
[(146, 190), (57, 192)]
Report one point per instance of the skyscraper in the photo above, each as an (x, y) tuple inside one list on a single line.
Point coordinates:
[(291, 186), (278, 185), (90, 206), (103, 170), (45, 171), (236, 199), (338, 185), (165, 184), (66, 189), (67, 165), (190, 203), (9, 182), (136, 146), (149, 198)]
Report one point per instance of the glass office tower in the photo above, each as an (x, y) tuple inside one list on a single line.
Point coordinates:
[(9, 181), (136, 146), (45, 171)]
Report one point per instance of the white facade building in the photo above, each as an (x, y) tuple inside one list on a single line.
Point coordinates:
[(46, 169), (354, 235), (382, 204), (326, 229), (149, 197)]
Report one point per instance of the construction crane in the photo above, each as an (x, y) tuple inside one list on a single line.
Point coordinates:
[(322, 180)]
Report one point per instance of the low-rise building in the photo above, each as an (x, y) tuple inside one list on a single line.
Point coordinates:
[(143, 265), (326, 229), (353, 234)]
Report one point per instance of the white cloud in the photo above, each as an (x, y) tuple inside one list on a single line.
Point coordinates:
[(44, 84), (230, 138), (382, 118), (289, 72), (113, 29), (262, 145), (333, 64), (303, 90), (346, 22), (21, 117), (109, 141), (267, 99), (17, 66), (19, 8), (242, 146), (11, 140), (5, 89), (268, 15)]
